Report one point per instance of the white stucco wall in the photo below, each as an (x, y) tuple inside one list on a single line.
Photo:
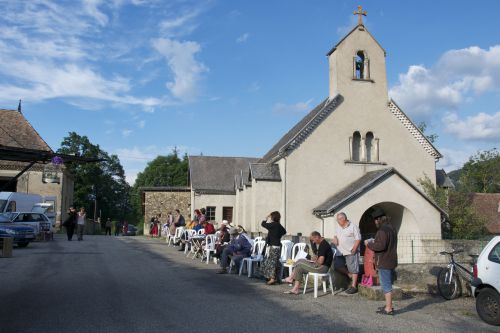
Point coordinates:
[(317, 169), (266, 199), (419, 216), (217, 200)]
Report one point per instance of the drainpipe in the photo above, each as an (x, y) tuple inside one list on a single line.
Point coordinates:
[(285, 199)]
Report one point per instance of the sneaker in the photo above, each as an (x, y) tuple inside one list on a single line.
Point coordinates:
[(351, 290)]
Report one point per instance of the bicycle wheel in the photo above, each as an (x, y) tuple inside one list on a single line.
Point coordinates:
[(448, 288)]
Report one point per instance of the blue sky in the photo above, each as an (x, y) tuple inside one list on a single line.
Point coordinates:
[(230, 77)]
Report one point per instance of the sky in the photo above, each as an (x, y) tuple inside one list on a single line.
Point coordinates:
[(229, 78)]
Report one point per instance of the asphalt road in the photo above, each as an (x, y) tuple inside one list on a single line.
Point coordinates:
[(137, 284)]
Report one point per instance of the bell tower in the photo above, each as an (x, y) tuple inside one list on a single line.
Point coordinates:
[(357, 64)]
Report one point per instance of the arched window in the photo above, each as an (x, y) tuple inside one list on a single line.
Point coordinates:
[(361, 66), (356, 146), (370, 147)]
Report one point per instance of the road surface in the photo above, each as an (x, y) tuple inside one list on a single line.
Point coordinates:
[(138, 284)]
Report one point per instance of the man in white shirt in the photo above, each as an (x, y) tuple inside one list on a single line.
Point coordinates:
[(347, 239)]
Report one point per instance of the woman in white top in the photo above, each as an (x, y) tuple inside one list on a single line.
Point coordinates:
[(80, 220)]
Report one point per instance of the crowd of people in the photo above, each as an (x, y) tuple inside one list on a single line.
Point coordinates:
[(233, 244)]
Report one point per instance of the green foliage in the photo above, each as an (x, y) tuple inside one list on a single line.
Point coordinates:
[(167, 170), (422, 126), (103, 180), (463, 221), (481, 173)]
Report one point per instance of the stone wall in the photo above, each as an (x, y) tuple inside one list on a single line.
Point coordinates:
[(156, 202)]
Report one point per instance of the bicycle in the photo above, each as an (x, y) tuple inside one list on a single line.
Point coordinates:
[(448, 280)]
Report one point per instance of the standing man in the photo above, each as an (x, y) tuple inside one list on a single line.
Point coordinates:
[(118, 227), (347, 239), (108, 225), (81, 223), (385, 247)]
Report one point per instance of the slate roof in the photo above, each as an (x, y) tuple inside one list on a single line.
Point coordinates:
[(17, 132), (488, 206), (265, 171), (361, 186), (294, 137), (442, 179), (215, 175)]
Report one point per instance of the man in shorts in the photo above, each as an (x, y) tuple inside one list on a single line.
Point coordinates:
[(385, 246), (347, 239)]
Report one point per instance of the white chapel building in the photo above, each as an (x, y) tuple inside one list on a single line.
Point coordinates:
[(355, 151)]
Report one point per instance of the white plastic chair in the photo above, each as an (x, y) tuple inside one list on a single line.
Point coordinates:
[(295, 249), (286, 253), (257, 239), (189, 234), (321, 276), (177, 236), (209, 246), (201, 231), (255, 257)]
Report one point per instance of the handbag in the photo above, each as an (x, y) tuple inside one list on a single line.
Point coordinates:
[(367, 280)]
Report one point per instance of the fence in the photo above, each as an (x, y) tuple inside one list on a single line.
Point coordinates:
[(424, 249)]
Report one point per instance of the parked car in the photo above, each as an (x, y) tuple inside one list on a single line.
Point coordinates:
[(39, 222), (22, 234), (486, 284), (132, 230), (46, 208)]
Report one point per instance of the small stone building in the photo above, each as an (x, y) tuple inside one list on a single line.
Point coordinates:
[(17, 132), (162, 200)]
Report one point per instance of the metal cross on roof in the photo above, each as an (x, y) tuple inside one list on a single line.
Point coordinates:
[(360, 14)]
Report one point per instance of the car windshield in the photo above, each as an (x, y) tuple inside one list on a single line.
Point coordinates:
[(5, 217)]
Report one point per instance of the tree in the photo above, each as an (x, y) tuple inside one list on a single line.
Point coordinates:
[(103, 181), (422, 126), (463, 221), (481, 173), (167, 170)]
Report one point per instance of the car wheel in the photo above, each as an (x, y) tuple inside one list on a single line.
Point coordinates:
[(22, 244), (488, 306)]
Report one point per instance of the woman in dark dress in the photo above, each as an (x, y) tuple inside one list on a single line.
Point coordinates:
[(70, 223), (271, 265)]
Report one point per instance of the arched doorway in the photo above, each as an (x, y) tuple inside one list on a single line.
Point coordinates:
[(401, 218)]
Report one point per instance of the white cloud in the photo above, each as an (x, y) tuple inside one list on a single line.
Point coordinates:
[(135, 159), (453, 159), (458, 75), (293, 108), (243, 38), (479, 127), (49, 50), (180, 25), (91, 8), (180, 57), (141, 124), (126, 132)]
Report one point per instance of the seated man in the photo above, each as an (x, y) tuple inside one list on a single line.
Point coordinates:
[(237, 249), (319, 263)]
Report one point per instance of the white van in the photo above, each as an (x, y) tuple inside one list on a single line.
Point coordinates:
[(18, 202)]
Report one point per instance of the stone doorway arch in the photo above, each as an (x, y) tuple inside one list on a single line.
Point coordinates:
[(402, 219)]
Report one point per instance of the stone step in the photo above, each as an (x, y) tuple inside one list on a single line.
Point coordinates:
[(375, 293)]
